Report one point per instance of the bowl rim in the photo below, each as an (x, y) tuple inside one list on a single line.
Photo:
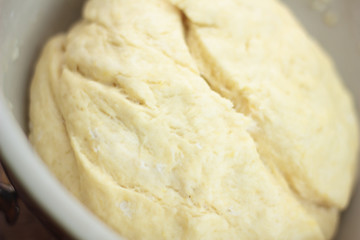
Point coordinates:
[(20, 158)]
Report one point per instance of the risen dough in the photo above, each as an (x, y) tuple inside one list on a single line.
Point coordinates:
[(196, 120)]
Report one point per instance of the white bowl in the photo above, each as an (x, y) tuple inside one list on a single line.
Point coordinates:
[(25, 25)]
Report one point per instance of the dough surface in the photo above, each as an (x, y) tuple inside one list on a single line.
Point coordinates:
[(183, 119)]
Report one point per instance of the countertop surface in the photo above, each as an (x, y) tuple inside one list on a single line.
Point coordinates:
[(27, 227)]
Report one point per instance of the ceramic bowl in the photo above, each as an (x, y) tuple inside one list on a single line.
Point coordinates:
[(25, 25)]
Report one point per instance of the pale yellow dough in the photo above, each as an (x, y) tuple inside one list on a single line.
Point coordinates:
[(206, 119)]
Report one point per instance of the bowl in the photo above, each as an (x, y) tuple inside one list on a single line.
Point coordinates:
[(24, 28)]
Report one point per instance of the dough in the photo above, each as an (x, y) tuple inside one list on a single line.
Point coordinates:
[(198, 119)]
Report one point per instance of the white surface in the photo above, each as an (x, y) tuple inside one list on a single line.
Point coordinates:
[(24, 27)]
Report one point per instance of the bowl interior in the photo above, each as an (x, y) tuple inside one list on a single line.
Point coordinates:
[(26, 25), (24, 28), (341, 41)]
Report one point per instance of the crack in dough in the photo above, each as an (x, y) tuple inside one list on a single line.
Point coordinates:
[(158, 122)]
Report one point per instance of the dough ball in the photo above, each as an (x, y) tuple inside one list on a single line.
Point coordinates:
[(198, 119)]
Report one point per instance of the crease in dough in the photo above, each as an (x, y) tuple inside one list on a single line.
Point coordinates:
[(295, 94), (149, 141)]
